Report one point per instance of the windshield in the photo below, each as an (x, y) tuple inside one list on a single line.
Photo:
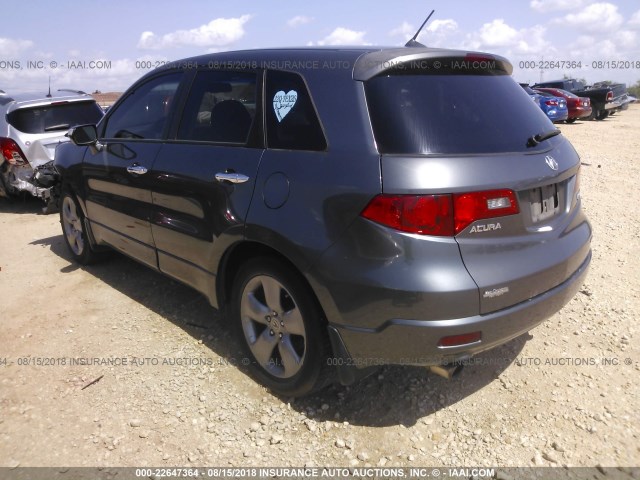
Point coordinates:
[(418, 113), (54, 117)]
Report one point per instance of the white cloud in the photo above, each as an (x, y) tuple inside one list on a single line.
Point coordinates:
[(635, 19), (216, 33), (499, 37), (597, 17), (436, 33), (545, 6), (497, 34), (439, 33), (442, 26), (344, 36), (10, 47), (299, 20), (626, 39), (406, 31)]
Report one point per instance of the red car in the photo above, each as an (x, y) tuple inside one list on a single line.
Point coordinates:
[(579, 107)]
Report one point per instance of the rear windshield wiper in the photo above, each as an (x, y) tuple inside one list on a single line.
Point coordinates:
[(541, 137), (62, 126)]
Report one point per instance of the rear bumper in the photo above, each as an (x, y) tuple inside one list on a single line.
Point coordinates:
[(558, 116), (617, 103), (415, 342), (581, 112)]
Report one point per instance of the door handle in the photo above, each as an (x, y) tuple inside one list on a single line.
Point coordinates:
[(137, 169), (231, 177)]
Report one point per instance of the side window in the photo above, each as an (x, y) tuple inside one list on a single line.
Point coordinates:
[(145, 112), (220, 107), (292, 122)]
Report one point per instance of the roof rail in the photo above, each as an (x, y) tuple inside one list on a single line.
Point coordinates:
[(79, 92)]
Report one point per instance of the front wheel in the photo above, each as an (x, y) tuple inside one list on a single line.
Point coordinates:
[(281, 328), (74, 231)]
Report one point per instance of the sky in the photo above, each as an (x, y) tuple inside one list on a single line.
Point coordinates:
[(106, 46)]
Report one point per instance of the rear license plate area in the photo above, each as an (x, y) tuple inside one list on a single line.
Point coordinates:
[(545, 202)]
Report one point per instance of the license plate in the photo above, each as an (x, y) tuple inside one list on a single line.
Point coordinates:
[(545, 202)]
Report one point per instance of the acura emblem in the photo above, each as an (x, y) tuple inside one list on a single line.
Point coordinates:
[(553, 165)]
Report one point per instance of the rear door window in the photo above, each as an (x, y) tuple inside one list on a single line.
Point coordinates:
[(221, 108), (291, 118), (423, 112), (56, 116)]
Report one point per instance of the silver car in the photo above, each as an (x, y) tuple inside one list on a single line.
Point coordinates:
[(31, 127)]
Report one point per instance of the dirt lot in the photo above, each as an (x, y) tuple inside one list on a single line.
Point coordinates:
[(567, 394)]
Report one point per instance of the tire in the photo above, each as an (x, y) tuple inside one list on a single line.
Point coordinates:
[(74, 230), (602, 114), (280, 328), (571, 120)]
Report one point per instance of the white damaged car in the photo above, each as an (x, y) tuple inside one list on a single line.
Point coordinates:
[(31, 127)]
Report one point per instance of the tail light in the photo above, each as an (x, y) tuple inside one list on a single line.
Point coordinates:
[(12, 153), (439, 215), (609, 96), (459, 340), (422, 214), (553, 103)]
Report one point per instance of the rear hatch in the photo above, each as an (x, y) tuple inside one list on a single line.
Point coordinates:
[(457, 125), (39, 129)]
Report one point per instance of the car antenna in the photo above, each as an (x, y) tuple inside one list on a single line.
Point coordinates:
[(49, 94), (413, 42)]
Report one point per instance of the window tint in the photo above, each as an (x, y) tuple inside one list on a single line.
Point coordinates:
[(145, 112), (292, 122), (450, 113), (220, 108), (54, 117)]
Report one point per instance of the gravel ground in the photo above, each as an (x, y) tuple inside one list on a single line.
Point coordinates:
[(175, 394)]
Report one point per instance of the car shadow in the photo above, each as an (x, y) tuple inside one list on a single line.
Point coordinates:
[(172, 300), (402, 395), (22, 205), (392, 395)]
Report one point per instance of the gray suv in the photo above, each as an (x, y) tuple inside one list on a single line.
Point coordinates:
[(345, 208)]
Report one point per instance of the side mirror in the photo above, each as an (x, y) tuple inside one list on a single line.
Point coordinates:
[(83, 135)]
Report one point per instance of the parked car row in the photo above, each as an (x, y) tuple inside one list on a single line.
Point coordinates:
[(561, 105), (606, 98), (578, 107)]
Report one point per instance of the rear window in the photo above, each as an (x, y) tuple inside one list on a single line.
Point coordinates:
[(413, 112), (291, 119), (50, 118), (567, 94)]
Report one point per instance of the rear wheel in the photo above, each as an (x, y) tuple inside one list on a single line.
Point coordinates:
[(74, 231), (571, 120), (280, 328)]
